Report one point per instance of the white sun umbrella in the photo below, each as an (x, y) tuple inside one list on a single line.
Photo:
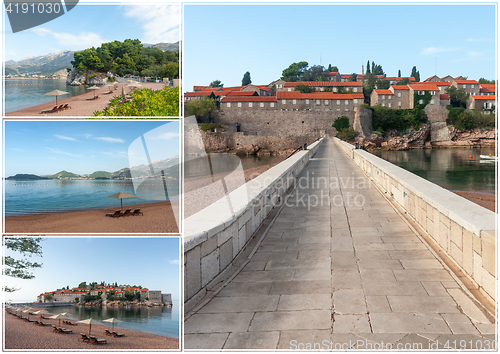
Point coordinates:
[(59, 316), (93, 88), (56, 93), (120, 196), (40, 312), (28, 312), (113, 321), (90, 322)]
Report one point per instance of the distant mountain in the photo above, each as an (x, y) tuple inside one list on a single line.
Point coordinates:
[(44, 65), (64, 174), (101, 174), (123, 173), (164, 46), (167, 165), (25, 177)]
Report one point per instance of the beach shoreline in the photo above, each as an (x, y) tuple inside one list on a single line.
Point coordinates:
[(20, 334), (157, 218), (80, 106)]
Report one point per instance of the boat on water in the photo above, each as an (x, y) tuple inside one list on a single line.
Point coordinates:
[(488, 157)]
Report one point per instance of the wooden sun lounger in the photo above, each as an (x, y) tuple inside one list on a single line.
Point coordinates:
[(95, 340), (116, 214), (84, 337), (93, 98), (53, 110), (137, 212), (108, 332), (66, 106), (116, 334), (128, 212)]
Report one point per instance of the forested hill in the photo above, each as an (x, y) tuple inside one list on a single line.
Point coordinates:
[(128, 57)]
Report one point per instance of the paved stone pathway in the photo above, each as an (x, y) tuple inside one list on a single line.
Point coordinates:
[(340, 276)]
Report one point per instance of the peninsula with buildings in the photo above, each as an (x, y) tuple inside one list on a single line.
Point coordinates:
[(379, 111), (102, 294)]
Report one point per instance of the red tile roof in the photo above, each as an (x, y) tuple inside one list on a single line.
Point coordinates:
[(249, 99), (201, 88), (384, 92), (466, 82), (241, 93), (424, 87), (444, 97), (197, 94), (234, 88), (490, 97), (318, 95), (487, 90), (393, 78), (491, 86), (333, 73), (400, 87), (324, 84), (433, 76)]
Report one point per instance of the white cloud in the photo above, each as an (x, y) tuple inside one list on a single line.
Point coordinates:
[(160, 22), (110, 140), (168, 136), (62, 137), (56, 151), (175, 261), (73, 42), (435, 50)]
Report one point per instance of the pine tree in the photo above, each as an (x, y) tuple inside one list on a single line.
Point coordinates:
[(399, 73), (368, 67), (246, 79)]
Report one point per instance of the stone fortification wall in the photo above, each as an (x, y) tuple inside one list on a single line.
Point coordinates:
[(463, 231)]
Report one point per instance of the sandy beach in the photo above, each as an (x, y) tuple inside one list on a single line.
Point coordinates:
[(80, 107), (20, 334), (487, 201), (158, 218)]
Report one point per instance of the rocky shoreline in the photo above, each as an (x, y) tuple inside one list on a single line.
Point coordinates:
[(418, 139)]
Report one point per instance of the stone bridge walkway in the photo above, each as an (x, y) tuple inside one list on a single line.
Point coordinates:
[(339, 276)]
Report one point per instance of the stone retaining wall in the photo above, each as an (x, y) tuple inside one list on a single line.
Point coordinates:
[(215, 236), (463, 230)]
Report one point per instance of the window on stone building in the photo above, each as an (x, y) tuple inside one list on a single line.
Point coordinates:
[(334, 89), (399, 104), (229, 104), (399, 94), (347, 109), (250, 104), (338, 109), (283, 101), (326, 102), (464, 86), (355, 89), (318, 102), (338, 101), (421, 102), (262, 104), (432, 101), (390, 97), (383, 104), (383, 97), (471, 86), (239, 104), (355, 100), (272, 104), (294, 101), (346, 102), (307, 101), (389, 105)]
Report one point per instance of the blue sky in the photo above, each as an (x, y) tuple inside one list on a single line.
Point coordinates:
[(82, 147), (146, 261), (88, 25), (265, 39)]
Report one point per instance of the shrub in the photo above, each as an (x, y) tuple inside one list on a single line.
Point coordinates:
[(347, 134), (341, 123)]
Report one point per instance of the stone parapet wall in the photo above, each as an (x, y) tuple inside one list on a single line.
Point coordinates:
[(216, 235), (463, 230)]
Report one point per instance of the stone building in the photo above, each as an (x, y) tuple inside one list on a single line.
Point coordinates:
[(484, 104), (353, 87), (154, 296), (472, 87), (397, 97), (421, 89), (488, 89)]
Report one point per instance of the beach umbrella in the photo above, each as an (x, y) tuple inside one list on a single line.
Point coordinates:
[(56, 93), (40, 312), (90, 322), (113, 321), (93, 88), (29, 312), (59, 316), (120, 196)]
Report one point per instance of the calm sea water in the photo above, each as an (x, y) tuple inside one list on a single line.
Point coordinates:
[(450, 168), (20, 94), (155, 320), (57, 196)]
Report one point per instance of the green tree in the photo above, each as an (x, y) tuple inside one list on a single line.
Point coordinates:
[(314, 73), (399, 73), (353, 78), (415, 74), (82, 285), (77, 300), (484, 81), (21, 268), (203, 109), (216, 83), (403, 82), (246, 79), (383, 84), (304, 88), (368, 67), (48, 297), (341, 123), (294, 72), (458, 97)]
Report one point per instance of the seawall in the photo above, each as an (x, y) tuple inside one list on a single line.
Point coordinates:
[(462, 232), (216, 235)]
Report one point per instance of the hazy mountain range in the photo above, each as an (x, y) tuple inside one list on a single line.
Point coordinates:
[(50, 63), (141, 170)]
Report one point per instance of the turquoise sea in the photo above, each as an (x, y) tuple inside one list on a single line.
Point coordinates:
[(450, 168), (155, 320), (57, 196), (26, 93)]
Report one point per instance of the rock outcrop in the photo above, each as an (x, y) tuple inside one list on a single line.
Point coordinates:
[(74, 78), (475, 137), (362, 121)]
